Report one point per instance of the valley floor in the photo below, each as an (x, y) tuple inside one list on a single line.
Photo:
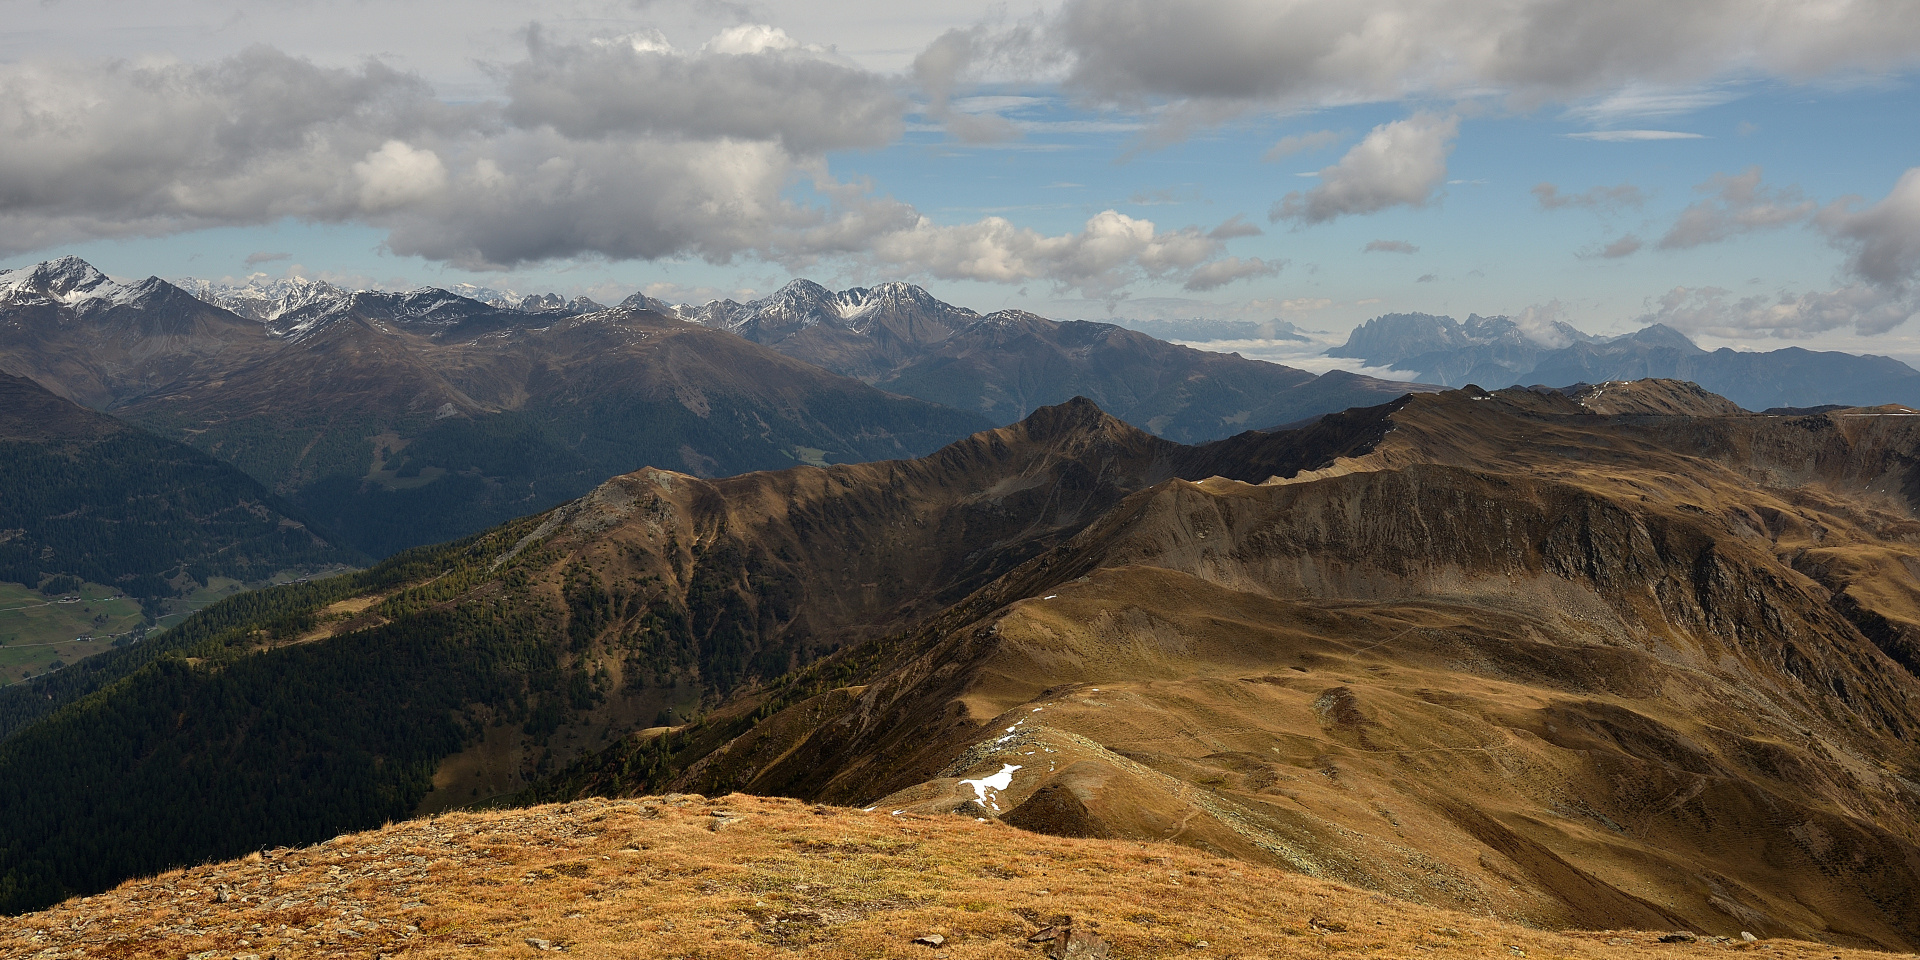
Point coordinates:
[(740, 876)]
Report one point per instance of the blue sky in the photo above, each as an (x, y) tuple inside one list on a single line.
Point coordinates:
[(1003, 156)]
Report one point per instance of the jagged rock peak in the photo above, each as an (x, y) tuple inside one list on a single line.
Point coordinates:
[(261, 297), (1076, 416)]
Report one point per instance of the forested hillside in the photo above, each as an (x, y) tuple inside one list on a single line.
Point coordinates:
[(88, 498)]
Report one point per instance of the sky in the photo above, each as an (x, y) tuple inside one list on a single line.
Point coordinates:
[(1747, 171)]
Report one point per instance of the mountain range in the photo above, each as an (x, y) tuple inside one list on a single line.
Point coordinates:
[(394, 420), (1497, 351), (399, 419), (1006, 364), (1620, 656)]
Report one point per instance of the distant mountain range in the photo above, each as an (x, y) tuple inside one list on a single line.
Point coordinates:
[(1497, 351), (395, 419), (898, 337)]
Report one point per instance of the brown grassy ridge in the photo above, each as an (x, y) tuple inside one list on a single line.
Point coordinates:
[(685, 876)]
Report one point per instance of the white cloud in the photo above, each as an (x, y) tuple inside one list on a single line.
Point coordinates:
[(1109, 252), (1396, 164), (397, 175), (1717, 312), (1741, 204), (618, 150), (1878, 290), (747, 39), (1389, 246), (1632, 136), (1544, 324), (1638, 100)]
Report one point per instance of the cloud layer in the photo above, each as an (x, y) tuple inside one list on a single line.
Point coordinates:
[(615, 149), (1230, 53)]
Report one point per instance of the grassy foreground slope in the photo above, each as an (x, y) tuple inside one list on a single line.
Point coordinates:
[(684, 876)]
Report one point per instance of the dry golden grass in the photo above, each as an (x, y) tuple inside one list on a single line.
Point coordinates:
[(684, 876)]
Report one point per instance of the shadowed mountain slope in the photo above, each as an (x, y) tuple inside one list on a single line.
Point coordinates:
[(89, 498)]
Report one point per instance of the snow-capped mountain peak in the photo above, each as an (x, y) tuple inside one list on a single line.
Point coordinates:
[(263, 298), (66, 280)]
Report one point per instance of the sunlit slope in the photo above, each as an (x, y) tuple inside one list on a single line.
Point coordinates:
[(1580, 682), (736, 876)]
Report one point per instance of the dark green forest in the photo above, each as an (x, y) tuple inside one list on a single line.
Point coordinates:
[(143, 514), (225, 735), (457, 476)]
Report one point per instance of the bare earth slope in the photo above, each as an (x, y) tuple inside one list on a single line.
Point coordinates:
[(737, 876)]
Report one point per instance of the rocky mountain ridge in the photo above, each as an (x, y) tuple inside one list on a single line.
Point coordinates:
[(1463, 661)]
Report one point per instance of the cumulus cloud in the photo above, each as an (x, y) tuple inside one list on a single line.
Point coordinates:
[(750, 82), (1109, 252), (1878, 288), (1389, 246), (1545, 324), (1883, 239), (620, 149), (1397, 164), (1597, 198), (1741, 203), (1257, 52)]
